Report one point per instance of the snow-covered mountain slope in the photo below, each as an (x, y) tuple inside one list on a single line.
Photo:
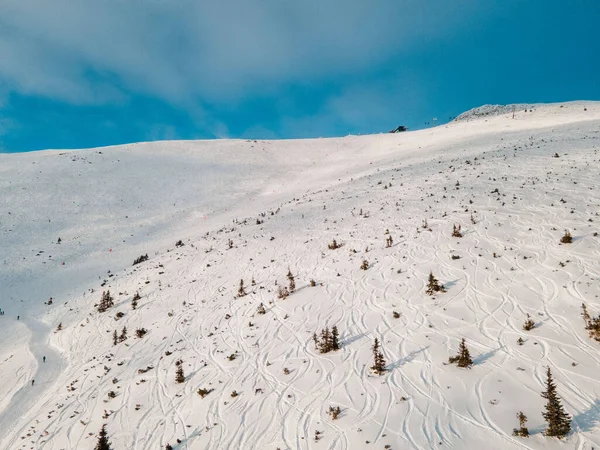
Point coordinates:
[(487, 111), (253, 210)]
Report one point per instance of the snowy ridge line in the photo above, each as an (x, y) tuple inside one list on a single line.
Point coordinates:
[(488, 111)]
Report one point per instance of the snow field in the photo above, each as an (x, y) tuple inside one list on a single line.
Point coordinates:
[(306, 193)]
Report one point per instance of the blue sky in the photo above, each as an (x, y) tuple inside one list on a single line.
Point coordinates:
[(88, 73)]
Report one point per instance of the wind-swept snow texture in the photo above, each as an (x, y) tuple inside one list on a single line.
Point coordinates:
[(251, 210)]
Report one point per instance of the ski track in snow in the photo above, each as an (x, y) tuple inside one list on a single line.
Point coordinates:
[(306, 193)]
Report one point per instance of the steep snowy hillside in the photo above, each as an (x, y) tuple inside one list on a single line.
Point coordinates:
[(258, 211)]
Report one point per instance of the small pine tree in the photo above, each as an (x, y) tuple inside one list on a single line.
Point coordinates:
[(325, 343), (59, 327), (389, 242), (559, 422), (378, 360), (134, 300), (123, 336), (364, 265), (456, 231), (115, 338), (334, 412), (109, 300), (292, 281), (592, 324), (594, 328), (179, 376), (335, 343), (522, 430), (241, 290), (567, 238), (433, 285), (103, 443), (261, 309), (463, 359), (141, 332), (586, 315), (529, 324), (204, 392), (334, 245)]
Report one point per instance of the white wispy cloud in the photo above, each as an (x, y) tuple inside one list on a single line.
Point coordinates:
[(94, 52)]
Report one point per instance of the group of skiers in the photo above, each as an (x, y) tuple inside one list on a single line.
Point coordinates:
[(33, 381)]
